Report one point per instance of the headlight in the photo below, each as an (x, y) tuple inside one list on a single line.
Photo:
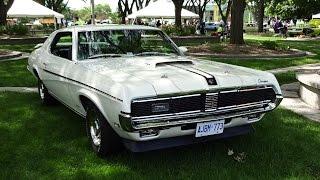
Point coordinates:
[(160, 107)]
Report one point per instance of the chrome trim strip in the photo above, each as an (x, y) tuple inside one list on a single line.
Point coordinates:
[(166, 115), (154, 124), (158, 99)]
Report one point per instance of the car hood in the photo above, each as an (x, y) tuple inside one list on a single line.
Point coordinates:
[(177, 74)]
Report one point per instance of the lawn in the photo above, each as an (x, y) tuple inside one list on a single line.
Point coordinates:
[(15, 73), (49, 142), (286, 78), (28, 48)]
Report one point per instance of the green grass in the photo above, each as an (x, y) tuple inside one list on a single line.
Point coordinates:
[(28, 48), (49, 142), (15, 73), (268, 64), (311, 46), (286, 78)]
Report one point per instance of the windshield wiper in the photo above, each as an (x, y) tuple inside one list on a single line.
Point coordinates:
[(152, 54), (104, 55)]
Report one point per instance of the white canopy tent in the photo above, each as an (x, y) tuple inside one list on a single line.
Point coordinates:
[(161, 9), (316, 16), (31, 9)]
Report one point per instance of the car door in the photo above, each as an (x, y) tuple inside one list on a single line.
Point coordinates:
[(56, 66)]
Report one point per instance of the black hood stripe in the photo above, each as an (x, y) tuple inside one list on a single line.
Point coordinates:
[(210, 78)]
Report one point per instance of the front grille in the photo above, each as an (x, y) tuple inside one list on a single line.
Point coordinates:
[(203, 102), (176, 105), (246, 96)]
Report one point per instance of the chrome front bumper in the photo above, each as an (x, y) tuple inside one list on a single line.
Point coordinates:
[(132, 124)]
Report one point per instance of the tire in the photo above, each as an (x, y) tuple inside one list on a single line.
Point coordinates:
[(46, 98), (103, 139)]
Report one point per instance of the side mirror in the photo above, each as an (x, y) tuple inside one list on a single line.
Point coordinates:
[(183, 49)]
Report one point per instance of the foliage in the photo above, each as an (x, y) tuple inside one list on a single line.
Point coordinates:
[(176, 31), (2, 29), (314, 23), (56, 5), (288, 9), (316, 32), (17, 29), (102, 11)]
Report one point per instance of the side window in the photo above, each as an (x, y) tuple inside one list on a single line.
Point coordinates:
[(62, 45)]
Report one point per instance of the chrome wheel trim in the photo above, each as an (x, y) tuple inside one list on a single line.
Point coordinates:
[(95, 130), (41, 91)]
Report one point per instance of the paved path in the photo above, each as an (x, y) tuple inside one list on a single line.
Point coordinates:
[(293, 102), (19, 89), (293, 68), (24, 56)]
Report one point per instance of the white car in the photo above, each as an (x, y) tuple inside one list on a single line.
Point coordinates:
[(136, 88)]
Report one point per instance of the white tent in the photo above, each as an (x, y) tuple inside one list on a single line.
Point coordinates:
[(316, 16), (29, 8), (161, 9)]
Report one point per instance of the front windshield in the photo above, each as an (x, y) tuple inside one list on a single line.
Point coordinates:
[(115, 43)]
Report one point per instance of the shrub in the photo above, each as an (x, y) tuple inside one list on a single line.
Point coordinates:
[(184, 31), (315, 33), (2, 30), (17, 29), (314, 23), (270, 45)]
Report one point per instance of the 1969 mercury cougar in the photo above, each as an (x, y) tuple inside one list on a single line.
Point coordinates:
[(136, 88)]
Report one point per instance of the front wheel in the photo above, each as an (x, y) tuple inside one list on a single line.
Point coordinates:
[(101, 136), (45, 97)]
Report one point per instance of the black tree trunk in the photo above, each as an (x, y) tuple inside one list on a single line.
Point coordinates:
[(260, 15), (237, 12), (178, 7)]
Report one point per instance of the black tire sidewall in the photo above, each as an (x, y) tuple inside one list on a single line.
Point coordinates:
[(110, 141)]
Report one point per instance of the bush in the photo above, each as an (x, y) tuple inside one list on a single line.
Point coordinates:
[(184, 31), (17, 29), (314, 23), (270, 45), (2, 30), (315, 33)]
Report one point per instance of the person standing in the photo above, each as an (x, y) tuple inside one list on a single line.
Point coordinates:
[(158, 24)]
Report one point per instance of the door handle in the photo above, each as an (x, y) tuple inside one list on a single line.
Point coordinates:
[(45, 64)]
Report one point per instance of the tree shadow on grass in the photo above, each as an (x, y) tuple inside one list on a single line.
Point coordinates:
[(50, 142)]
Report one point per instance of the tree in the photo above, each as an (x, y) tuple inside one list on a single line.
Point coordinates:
[(198, 6), (56, 5), (237, 12), (102, 11), (178, 8), (5, 5), (224, 12), (260, 14), (288, 9), (125, 7)]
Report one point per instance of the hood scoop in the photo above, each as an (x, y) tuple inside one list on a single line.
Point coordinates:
[(160, 64)]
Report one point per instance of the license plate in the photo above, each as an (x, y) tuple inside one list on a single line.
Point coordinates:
[(209, 128)]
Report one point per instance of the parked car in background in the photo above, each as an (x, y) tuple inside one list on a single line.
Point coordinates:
[(211, 26), (135, 87)]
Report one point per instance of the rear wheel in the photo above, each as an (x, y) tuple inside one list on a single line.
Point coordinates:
[(45, 97), (101, 136)]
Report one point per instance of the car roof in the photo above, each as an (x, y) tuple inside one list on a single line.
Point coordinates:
[(100, 27)]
